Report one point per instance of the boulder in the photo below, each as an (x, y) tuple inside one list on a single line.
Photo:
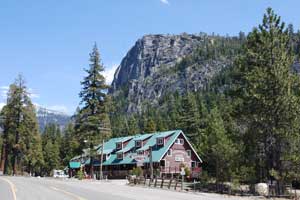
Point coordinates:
[(262, 189)]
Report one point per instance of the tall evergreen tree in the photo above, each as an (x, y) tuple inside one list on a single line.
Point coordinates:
[(92, 122), (51, 143), (189, 116), (69, 145), (22, 139), (268, 94), (219, 151)]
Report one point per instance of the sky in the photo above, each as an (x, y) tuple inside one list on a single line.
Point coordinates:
[(49, 41)]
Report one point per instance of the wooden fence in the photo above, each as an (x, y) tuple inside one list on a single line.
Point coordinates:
[(173, 183)]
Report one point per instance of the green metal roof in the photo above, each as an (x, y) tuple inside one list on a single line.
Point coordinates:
[(143, 137), (157, 151), (74, 165), (145, 147), (124, 139), (129, 146)]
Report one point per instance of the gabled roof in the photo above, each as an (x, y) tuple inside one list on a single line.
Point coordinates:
[(129, 146), (124, 139), (143, 137), (157, 151)]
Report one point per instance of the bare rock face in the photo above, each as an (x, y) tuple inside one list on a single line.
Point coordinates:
[(151, 53), (149, 69)]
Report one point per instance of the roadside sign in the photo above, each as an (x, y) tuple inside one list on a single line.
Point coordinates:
[(139, 160), (182, 173)]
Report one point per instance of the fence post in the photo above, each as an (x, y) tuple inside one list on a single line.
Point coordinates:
[(150, 180), (162, 183), (170, 183), (155, 183), (176, 184)]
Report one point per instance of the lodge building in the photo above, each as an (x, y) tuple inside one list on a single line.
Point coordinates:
[(170, 151)]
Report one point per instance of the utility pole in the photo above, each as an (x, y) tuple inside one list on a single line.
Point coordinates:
[(102, 151), (91, 160), (151, 163), (101, 161)]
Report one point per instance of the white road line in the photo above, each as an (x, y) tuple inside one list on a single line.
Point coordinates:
[(12, 187), (68, 193)]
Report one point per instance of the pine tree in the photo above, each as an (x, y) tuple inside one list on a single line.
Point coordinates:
[(92, 121), (133, 125), (51, 142), (267, 91), (189, 117), (22, 139), (219, 150), (69, 145), (149, 125)]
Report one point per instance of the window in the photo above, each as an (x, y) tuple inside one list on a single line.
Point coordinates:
[(138, 143), (179, 141), (189, 152), (194, 164), (120, 156), (169, 152), (179, 158), (160, 141), (119, 145), (140, 152)]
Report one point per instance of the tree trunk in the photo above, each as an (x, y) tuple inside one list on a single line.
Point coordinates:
[(3, 157), (91, 167)]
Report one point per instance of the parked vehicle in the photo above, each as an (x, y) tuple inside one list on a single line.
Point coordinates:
[(59, 174)]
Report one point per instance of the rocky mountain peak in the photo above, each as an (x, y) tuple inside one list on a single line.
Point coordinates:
[(160, 64), (151, 52)]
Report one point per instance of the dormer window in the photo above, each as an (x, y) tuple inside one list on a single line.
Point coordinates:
[(119, 156), (119, 145), (160, 141), (138, 143)]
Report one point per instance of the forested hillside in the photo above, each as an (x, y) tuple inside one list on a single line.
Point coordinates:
[(232, 96), (236, 98)]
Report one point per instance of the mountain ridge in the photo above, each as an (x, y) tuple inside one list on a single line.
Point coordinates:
[(160, 64)]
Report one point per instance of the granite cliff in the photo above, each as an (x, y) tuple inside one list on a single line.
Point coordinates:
[(159, 64)]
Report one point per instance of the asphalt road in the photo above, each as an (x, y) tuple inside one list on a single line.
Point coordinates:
[(27, 188)]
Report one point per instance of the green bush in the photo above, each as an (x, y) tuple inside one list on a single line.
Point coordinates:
[(80, 175), (137, 171)]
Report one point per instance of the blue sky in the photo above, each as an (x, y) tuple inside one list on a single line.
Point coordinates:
[(49, 41)]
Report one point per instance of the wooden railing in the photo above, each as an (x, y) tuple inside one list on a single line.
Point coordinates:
[(175, 183)]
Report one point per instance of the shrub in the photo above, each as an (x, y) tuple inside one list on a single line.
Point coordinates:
[(80, 175), (137, 171)]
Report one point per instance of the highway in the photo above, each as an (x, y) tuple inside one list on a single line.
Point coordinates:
[(29, 188)]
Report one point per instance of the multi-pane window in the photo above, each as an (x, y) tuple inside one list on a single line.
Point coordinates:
[(179, 141)]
